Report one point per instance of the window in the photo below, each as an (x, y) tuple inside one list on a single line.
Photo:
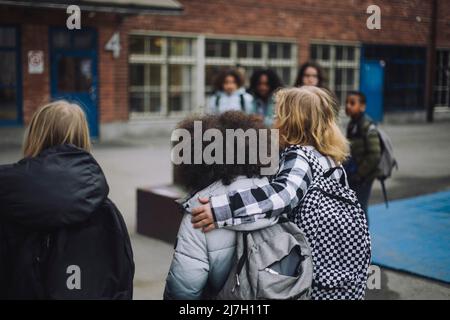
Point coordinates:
[(9, 76), (442, 82), (164, 69), (341, 67), (249, 55), (161, 74)]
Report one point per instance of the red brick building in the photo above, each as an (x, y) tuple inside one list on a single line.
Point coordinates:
[(170, 50)]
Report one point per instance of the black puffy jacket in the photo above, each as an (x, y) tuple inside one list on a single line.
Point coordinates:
[(60, 235)]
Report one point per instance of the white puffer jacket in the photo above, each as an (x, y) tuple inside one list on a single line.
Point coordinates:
[(202, 261)]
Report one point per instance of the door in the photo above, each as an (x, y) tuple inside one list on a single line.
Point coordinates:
[(372, 84), (74, 71)]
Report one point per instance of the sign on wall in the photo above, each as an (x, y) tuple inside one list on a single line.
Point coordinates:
[(35, 61)]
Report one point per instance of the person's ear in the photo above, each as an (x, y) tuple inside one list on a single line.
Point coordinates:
[(362, 107)]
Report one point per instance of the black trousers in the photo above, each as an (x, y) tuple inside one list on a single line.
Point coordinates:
[(363, 191)]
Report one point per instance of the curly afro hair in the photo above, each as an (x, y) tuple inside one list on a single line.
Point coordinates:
[(195, 177)]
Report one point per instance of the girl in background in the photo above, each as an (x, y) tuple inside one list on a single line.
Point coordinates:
[(312, 74), (263, 84), (229, 93)]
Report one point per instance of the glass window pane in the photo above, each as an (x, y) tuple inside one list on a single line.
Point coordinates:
[(273, 50), (339, 53), (286, 51), (83, 40), (350, 53), (155, 75), (155, 102), (180, 47), (137, 77), (61, 39), (8, 68), (74, 74), (225, 49), (313, 52), (242, 49), (179, 101), (325, 53), (257, 50), (180, 81), (180, 75), (217, 48), (339, 77), (8, 104), (350, 77), (211, 73), (155, 45), (7, 37), (137, 45), (137, 102)]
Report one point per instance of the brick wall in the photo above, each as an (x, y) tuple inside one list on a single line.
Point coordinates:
[(403, 23), (113, 78), (112, 73), (36, 87)]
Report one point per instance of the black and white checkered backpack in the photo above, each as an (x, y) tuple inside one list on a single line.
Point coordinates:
[(336, 229)]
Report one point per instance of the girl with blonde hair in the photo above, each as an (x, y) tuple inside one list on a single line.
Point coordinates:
[(311, 144), (60, 235)]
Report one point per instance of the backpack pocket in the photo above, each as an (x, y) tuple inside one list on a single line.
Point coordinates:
[(286, 272)]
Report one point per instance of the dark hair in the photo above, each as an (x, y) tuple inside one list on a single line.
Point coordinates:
[(273, 78), (195, 177), (359, 94), (302, 70), (221, 76)]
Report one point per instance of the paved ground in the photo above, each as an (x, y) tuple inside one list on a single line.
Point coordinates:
[(422, 150)]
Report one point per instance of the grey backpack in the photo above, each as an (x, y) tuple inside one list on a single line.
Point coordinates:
[(272, 263), (387, 160)]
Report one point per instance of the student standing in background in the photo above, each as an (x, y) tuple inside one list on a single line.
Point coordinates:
[(263, 84), (362, 167), (229, 94), (311, 74)]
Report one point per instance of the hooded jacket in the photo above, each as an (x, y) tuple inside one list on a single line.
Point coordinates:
[(202, 261), (60, 235)]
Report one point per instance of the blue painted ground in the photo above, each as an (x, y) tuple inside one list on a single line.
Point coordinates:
[(413, 235)]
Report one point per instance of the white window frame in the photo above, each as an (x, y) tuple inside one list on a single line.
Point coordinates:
[(332, 64), (164, 60), (199, 61), (438, 86), (264, 61)]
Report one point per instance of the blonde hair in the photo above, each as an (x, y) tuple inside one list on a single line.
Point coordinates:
[(56, 123), (305, 116)]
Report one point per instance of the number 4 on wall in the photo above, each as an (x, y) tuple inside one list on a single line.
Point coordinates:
[(114, 45)]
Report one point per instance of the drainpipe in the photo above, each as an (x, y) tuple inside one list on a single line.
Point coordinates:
[(431, 62)]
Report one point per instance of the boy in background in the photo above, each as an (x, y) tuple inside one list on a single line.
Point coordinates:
[(362, 167)]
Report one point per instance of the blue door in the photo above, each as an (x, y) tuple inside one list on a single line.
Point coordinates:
[(372, 84), (74, 71)]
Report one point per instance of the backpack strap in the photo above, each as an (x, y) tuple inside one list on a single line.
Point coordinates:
[(343, 180), (242, 259), (316, 167), (217, 102), (371, 126), (242, 100)]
